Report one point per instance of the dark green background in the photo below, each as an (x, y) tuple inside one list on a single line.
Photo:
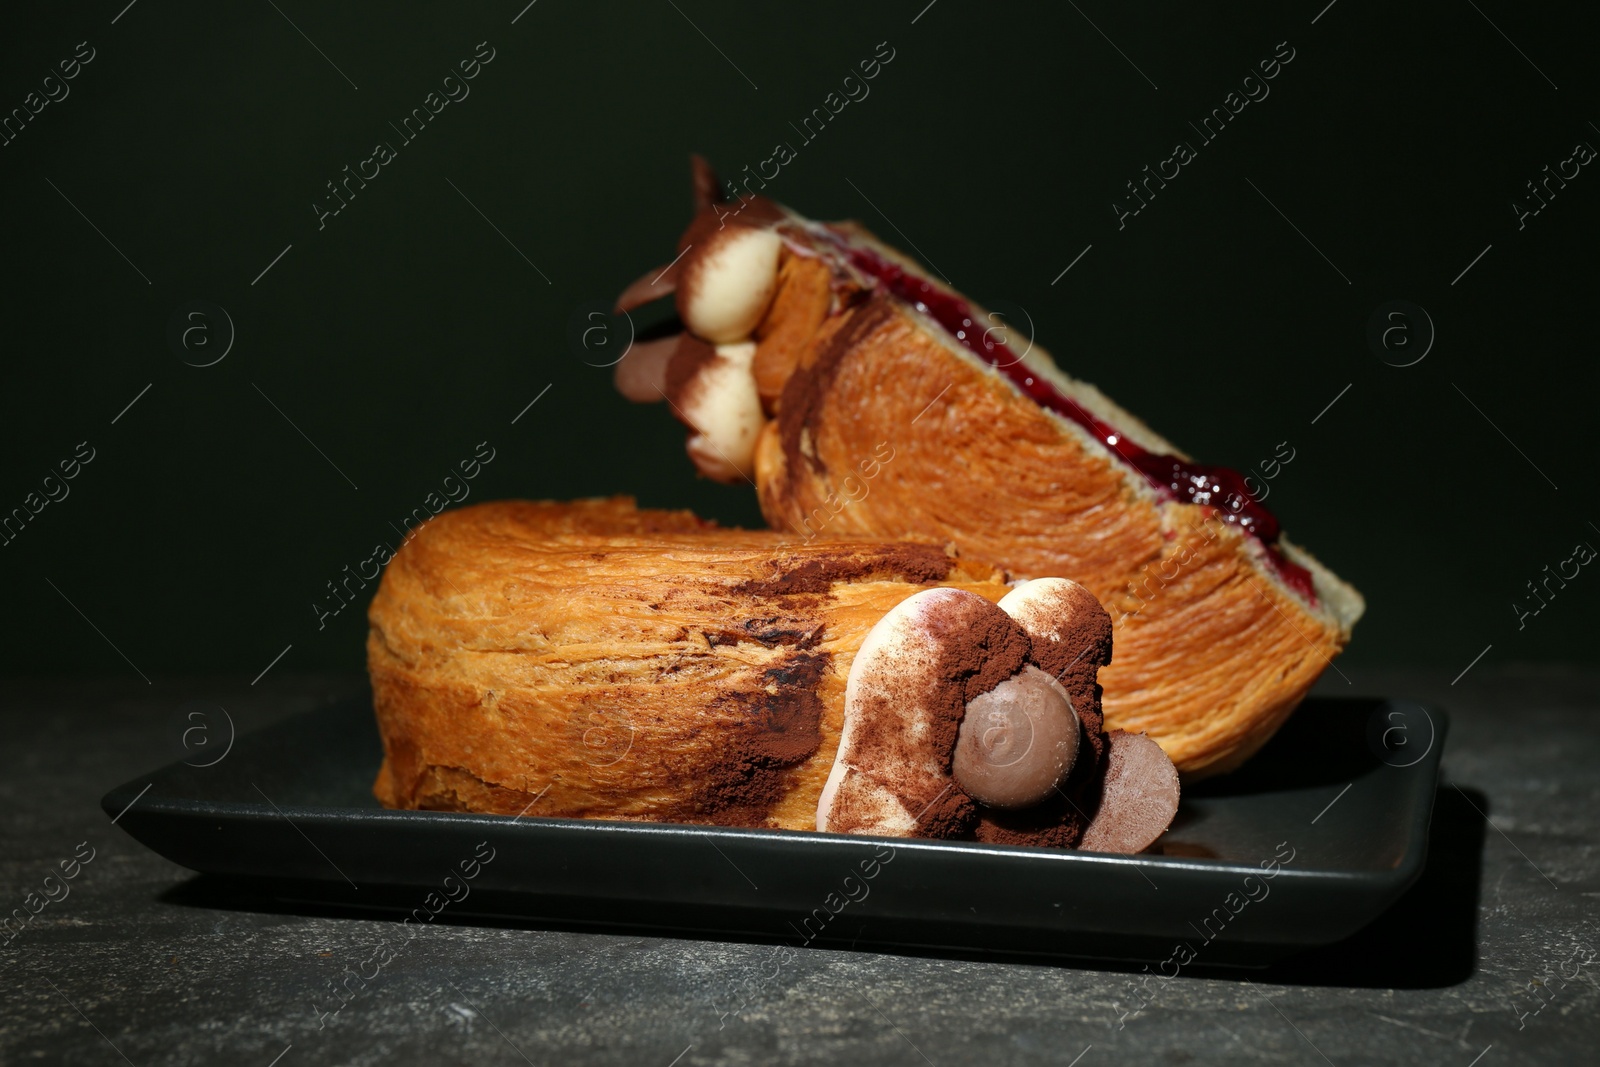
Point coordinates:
[(408, 330)]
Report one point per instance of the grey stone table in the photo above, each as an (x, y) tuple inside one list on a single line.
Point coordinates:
[(1489, 960)]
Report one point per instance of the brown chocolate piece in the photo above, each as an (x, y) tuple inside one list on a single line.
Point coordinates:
[(1138, 797), (653, 284), (641, 374), (1017, 742), (1071, 640)]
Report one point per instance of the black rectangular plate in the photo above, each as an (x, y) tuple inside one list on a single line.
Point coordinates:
[(1345, 788)]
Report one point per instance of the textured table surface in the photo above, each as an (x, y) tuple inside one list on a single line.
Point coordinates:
[(1489, 960)]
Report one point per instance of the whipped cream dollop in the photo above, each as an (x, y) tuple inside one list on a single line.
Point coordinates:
[(909, 688), (717, 397), (726, 282)]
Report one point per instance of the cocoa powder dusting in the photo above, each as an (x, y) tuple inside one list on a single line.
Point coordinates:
[(978, 647), (816, 572), (1074, 660), (949, 815), (780, 729), (994, 647), (806, 389), (1083, 648), (688, 359), (1053, 823), (982, 646), (713, 218), (1094, 733)]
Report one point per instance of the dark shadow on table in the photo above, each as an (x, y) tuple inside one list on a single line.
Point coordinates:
[(1325, 742), (1428, 939)]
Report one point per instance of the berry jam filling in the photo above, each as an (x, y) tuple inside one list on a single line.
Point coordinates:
[(1221, 488)]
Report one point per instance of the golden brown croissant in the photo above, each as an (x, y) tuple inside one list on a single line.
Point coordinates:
[(867, 399), (599, 661)]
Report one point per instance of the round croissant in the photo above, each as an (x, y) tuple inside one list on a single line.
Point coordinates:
[(593, 660)]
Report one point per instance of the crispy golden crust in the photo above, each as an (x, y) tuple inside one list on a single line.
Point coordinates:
[(1211, 652), (799, 306), (603, 662)]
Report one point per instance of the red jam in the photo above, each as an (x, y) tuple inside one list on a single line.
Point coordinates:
[(1192, 483)]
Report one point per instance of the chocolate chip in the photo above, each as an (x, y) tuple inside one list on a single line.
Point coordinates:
[(1017, 742), (1138, 798)]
